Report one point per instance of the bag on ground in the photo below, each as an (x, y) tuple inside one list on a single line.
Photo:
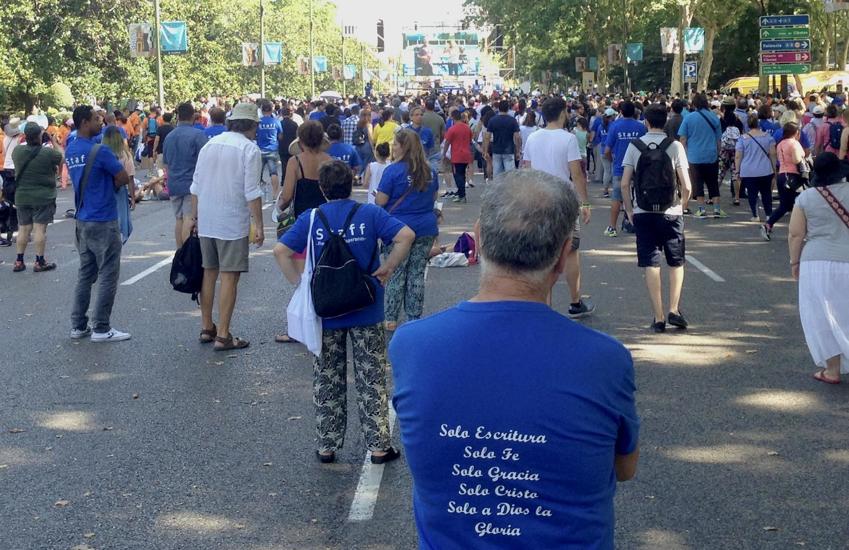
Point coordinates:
[(465, 245), (655, 183), (449, 259), (304, 325), (187, 268), (339, 285)]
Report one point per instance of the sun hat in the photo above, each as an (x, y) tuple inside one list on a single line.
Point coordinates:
[(244, 111), (13, 127)]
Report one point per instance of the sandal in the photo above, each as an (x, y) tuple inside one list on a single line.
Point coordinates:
[(391, 326), (326, 458), (391, 454), (820, 375), (230, 343), (285, 339), (207, 336)]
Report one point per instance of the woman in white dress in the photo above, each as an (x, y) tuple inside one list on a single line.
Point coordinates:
[(819, 260)]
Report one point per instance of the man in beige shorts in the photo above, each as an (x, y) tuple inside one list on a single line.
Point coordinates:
[(225, 198)]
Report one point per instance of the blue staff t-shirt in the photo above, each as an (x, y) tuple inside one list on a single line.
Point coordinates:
[(416, 210), (620, 134), (266, 134), (99, 204), (511, 441), (426, 137), (702, 130), (369, 224), (214, 130), (599, 131), (345, 153)]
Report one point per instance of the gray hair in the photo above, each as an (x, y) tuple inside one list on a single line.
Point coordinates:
[(526, 218)]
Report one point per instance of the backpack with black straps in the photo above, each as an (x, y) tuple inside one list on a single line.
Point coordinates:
[(835, 130), (339, 285), (655, 183), (187, 268)]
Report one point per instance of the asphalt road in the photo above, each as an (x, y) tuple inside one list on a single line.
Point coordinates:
[(161, 443)]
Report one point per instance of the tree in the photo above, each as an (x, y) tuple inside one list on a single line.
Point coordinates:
[(59, 96)]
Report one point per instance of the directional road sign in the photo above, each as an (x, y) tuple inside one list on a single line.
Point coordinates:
[(785, 20), (785, 45), (786, 57), (773, 33), (786, 68)]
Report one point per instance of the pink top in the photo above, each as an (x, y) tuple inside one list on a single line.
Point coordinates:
[(790, 153)]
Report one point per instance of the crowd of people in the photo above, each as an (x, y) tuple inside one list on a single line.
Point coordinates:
[(657, 158)]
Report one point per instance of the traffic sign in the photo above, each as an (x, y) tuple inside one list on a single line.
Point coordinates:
[(786, 68), (691, 71), (785, 45), (786, 57), (772, 33), (785, 20)]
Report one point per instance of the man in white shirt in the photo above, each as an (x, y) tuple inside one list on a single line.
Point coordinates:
[(659, 230), (225, 196), (555, 151)]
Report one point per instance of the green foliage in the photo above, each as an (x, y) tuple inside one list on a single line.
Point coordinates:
[(84, 43), (58, 95)]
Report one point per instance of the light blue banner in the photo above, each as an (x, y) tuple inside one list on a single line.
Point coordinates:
[(319, 64), (173, 37), (273, 53)]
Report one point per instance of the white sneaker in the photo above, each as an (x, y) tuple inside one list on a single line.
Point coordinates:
[(77, 334), (111, 336)]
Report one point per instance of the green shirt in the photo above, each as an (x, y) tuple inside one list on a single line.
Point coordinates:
[(37, 187)]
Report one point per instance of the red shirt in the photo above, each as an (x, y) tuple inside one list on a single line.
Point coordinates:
[(459, 137)]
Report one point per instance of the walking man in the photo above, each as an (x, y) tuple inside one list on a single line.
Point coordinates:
[(701, 136), (555, 151), (267, 137), (621, 133), (35, 173), (502, 131), (225, 196), (662, 186), (180, 156), (96, 173)]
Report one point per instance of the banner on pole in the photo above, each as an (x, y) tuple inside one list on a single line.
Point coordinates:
[(336, 72), (614, 54), (319, 64), (580, 64), (634, 52), (173, 37), (694, 40), (141, 40), (250, 54), (349, 71), (593, 64), (303, 65), (668, 40), (832, 6), (272, 53), (588, 80)]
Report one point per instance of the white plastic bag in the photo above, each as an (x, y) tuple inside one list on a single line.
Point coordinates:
[(449, 259), (304, 324)]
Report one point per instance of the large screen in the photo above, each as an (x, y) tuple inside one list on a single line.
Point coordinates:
[(441, 54)]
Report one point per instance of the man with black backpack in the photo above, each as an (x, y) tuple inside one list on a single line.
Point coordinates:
[(658, 168)]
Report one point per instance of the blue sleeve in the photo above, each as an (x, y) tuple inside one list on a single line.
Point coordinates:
[(610, 141), (628, 433), (296, 236), (387, 182), (427, 138), (682, 130), (356, 161), (385, 225), (107, 160), (804, 140)]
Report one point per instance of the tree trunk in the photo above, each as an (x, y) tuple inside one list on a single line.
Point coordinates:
[(844, 55), (707, 58), (677, 67)]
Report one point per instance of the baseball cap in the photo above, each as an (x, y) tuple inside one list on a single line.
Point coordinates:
[(818, 110), (244, 111), (609, 112)]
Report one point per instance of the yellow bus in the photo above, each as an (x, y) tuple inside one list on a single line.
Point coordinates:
[(815, 81)]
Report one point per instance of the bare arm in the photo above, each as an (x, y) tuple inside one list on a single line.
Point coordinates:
[(626, 465), (402, 242), (381, 199), (685, 185), (289, 181), (796, 239), (283, 255), (255, 207), (581, 187), (517, 143), (844, 143), (683, 140), (625, 184), (121, 179), (486, 140)]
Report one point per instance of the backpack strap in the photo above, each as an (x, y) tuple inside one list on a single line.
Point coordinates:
[(640, 145), (89, 164), (666, 143)]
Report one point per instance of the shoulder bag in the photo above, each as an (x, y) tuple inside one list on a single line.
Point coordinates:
[(89, 164)]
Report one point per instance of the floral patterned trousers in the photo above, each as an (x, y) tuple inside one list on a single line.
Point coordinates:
[(407, 285), (330, 388)]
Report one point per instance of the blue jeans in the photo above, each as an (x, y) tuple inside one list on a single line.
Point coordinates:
[(99, 246), (503, 163)]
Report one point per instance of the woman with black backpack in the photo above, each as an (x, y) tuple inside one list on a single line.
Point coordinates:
[(346, 229)]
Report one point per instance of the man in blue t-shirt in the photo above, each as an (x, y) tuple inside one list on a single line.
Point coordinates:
[(502, 133), (511, 445), (620, 134), (701, 135), (267, 135), (217, 119), (98, 236), (342, 151)]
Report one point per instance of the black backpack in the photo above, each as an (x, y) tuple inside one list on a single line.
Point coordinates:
[(339, 285), (655, 183), (187, 268)]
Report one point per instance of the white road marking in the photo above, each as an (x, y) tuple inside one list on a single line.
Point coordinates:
[(365, 497), (426, 269), (705, 269), (148, 271), (60, 220)]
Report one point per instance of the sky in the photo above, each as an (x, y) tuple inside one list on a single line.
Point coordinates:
[(365, 13)]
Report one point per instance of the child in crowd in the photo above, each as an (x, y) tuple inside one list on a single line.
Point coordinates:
[(374, 171)]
